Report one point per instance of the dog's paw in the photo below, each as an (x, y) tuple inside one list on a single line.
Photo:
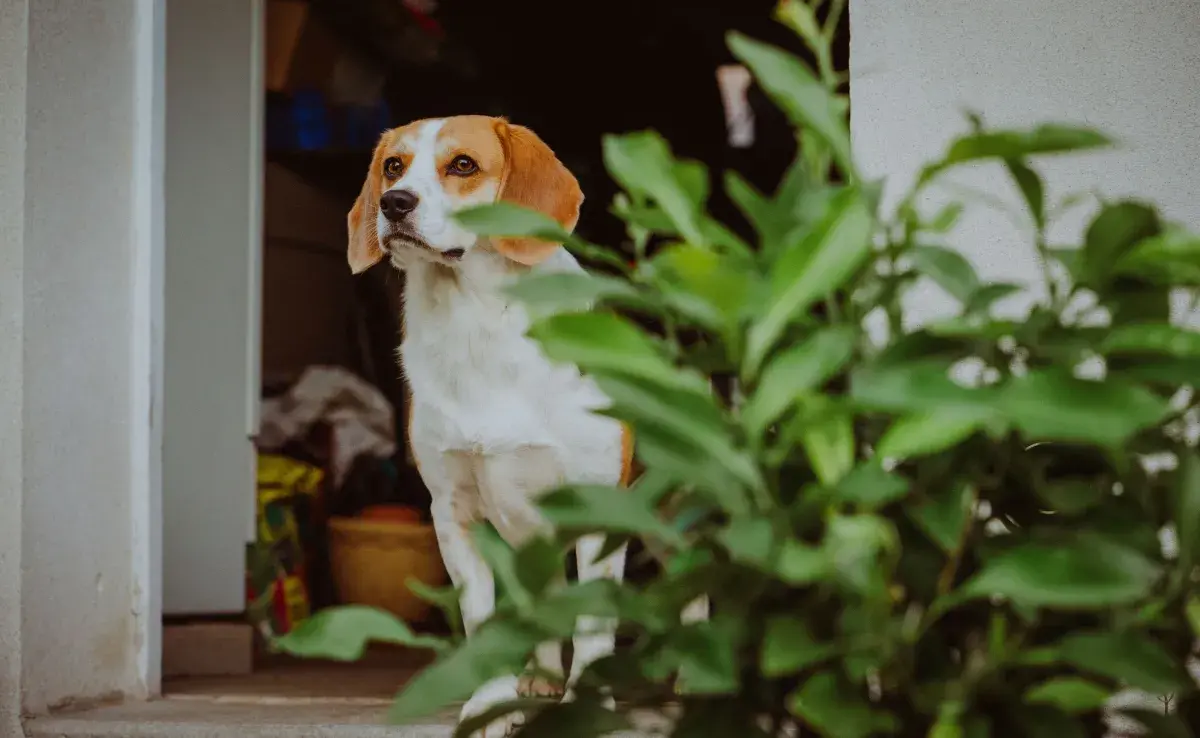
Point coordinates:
[(531, 685), (487, 697)]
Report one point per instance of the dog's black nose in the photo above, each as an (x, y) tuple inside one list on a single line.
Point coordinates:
[(397, 204)]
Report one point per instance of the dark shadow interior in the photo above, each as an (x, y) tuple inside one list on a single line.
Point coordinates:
[(571, 71)]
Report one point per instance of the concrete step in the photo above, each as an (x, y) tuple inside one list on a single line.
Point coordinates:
[(260, 718), (176, 718)]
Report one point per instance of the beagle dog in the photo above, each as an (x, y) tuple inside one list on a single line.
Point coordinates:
[(492, 422)]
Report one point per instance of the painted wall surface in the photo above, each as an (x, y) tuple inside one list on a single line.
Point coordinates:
[(1127, 67), (12, 258), (78, 599), (211, 323)]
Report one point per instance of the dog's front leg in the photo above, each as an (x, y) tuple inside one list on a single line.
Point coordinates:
[(456, 506), (510, 484), (595, 638)]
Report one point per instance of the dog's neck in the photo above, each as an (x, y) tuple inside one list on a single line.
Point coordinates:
[(480, 275)]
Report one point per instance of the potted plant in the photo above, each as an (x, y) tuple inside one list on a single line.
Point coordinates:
[(949, 530)]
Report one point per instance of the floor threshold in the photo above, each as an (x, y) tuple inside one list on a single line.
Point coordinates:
[(195, 718)]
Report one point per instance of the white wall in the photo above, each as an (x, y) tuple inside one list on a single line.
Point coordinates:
[(12, 258), (85, 519), (1128, 67)]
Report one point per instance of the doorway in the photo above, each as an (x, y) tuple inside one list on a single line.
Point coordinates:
[(327, 76)]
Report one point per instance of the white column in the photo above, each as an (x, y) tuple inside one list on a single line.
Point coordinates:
[(87, 588), (13, 36)]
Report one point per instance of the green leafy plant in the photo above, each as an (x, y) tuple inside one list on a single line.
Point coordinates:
[(948, 530)]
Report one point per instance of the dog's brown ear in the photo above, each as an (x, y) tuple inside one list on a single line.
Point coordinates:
[(364, 250), (534, 178)]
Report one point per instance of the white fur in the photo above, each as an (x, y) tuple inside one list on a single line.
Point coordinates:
[(494, 423), (433, 219)]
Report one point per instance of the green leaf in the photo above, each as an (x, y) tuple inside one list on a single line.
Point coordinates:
[(692, 176), (1004, 145), (446, 599), (470, 727), (1076, 574), (342, 634), (707, 654), (869, 487), (1170, 258), (642, 163), (1112, 234), (826, 431), (557, 613), (1031, 188), (931, 432), (610, 509), (599, 254), (836, 711), (1126, 656), (797, 370), (946, 218), (684, 433), (989, 294), (557, 292), (789, 646), (1072, 497), (1152, 338), (918, 386), (506, 219), (949, 269), (498, 648), (802, 19), (1053, 406), (854, 545), (1069, 694), (574, 719), (749, 541), (1071, 259), (810, 269), (710, 287), (1187, 511), (949, 721), (1165, 371), (768, 219), (502, 560), (944, 515), (799, 563), (807, 103), (604, 342)]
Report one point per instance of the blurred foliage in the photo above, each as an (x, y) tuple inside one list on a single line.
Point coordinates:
[(947, 530)]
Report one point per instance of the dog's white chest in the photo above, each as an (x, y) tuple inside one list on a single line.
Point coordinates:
[(478, 383)]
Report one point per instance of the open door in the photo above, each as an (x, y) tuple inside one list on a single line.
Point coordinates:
[(213, 220)]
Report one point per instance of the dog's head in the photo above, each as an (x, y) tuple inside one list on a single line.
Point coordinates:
[(423, 172)]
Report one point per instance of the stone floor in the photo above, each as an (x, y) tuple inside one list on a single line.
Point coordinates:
[(193, 718)]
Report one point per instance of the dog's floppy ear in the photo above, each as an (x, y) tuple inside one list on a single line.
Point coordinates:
[(534, 178), (364, 250)]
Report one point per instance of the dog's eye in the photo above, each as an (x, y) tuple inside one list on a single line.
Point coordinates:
[(393, 168), (463, 165)]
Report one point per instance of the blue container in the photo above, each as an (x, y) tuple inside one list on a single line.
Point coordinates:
[(311, 123)]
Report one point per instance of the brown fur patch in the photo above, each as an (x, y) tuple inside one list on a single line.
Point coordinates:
[(473, 136), (364, 249), (534, 178)]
